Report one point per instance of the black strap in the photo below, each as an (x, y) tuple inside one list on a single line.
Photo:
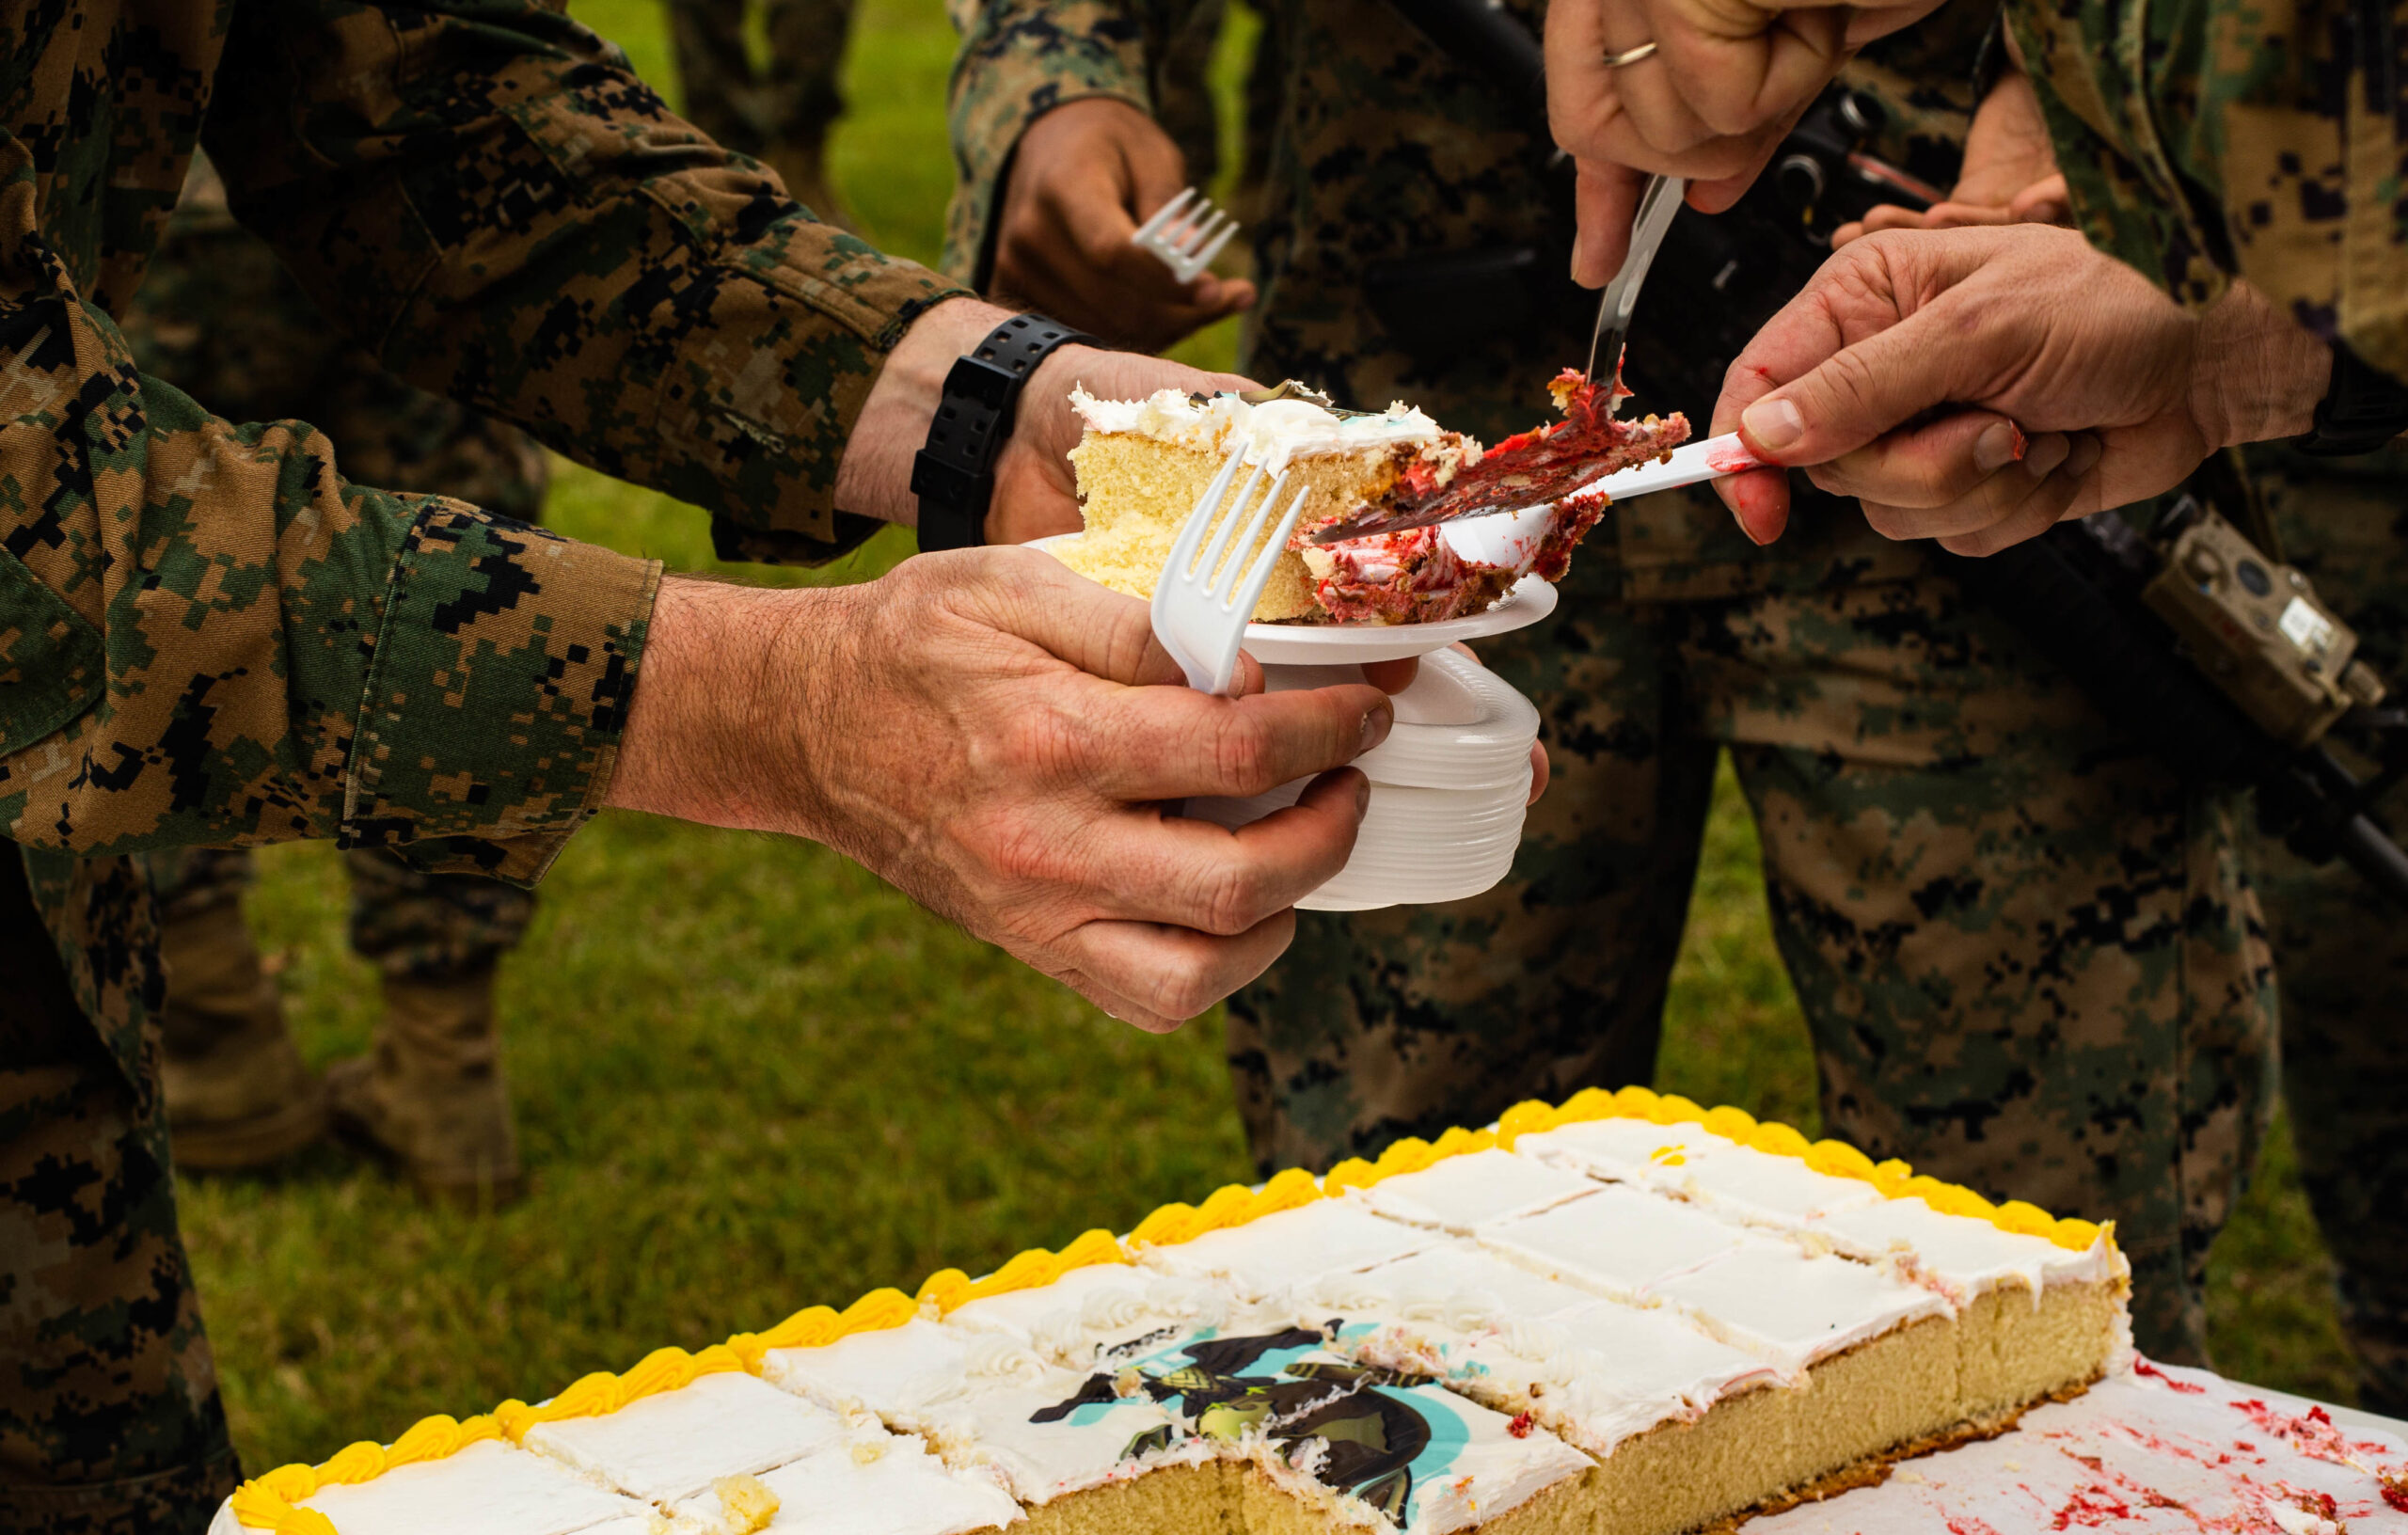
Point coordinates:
[(954, 475), (2363, 408)]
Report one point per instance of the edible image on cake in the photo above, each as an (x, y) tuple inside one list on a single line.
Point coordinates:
[(1143, 464)]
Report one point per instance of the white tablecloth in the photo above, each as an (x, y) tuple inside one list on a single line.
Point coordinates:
[(2180, 1451)]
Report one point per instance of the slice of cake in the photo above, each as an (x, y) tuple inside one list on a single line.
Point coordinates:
[(1143, 464), (872, 1484), (1082, 1451), (463, 1479), (674, 1446)]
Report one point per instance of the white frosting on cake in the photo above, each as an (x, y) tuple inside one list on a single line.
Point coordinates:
[(1279, 1252), (993, 1426), (1272, 432), (490, 1488), (893, 1371), (1454, 1286), (872, 1486), (1456, 1193), (1066, 1319), (1617, 1241), (1959, 1255), (1625, 1150), (1768, 1190), (1783, 1305), (671, 1445), (1598, 1373)]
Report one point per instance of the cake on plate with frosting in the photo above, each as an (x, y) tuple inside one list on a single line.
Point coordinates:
[(1625, 1315), (1143, 464)]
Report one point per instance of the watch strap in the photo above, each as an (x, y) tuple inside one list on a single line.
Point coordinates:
[(2363, 408), (953, 475)]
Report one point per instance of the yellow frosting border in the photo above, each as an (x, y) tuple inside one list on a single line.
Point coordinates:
[(266, 1502)]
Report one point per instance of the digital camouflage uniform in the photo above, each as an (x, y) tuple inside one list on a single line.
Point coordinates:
[(217, 316), (209, 636), (2203, 142), (2031, 960)]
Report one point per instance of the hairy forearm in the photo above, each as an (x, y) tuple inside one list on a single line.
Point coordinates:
[(715, 734), (2256, 374), (875, 479)]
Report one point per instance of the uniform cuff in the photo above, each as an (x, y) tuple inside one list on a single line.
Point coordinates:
[(1016, 64), (497, 692)]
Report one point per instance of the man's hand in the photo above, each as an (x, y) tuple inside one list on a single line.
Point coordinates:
[(1727, 80), (1085, 176), (2010, 173), (1035, 492), (980, 728), (2074, 386)]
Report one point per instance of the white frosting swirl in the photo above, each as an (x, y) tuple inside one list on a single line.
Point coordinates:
[(1273, 432), (996, 1357)]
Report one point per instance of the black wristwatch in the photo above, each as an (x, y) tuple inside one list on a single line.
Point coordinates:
[(2363, 408), (954, 475)]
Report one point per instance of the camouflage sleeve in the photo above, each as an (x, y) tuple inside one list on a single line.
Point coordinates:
[(484, 194), (208, 637), (2204, 142), (1018, 60)]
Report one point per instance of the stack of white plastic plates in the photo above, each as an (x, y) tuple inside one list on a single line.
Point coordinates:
[(1448, 784)]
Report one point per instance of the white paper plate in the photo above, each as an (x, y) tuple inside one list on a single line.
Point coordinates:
[(1347, 644)]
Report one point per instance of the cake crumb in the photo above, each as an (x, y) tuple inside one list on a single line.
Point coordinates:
[(2395, 1484), (746, 1503)]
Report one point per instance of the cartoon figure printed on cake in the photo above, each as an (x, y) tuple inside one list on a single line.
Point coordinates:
[(1336, 1420)]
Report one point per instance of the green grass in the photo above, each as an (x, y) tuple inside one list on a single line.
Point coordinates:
[(751, 1077)]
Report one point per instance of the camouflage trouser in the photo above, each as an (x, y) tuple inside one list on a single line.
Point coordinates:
[(2342, 951), (110, 1421), (410, 924), (2031, 961), (799, 98)]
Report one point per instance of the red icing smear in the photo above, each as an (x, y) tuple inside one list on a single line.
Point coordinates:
[(1965, 1524), (2313, 1433), (1734, 459), (1541, 464), (2091, 1507), (2395, 1484), (2189, 1388), (1521, 1426)]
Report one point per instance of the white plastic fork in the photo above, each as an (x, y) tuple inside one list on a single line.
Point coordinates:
[(1185, 233), (1201, 607)]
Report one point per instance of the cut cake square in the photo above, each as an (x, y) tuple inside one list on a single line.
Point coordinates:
[(1478, 1188), (671, 1446), (870, 1484), (488, 1488), (1274, 1254), (890, 1372)]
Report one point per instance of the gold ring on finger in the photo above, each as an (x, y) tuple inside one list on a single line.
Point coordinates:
[(1630, 55)]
